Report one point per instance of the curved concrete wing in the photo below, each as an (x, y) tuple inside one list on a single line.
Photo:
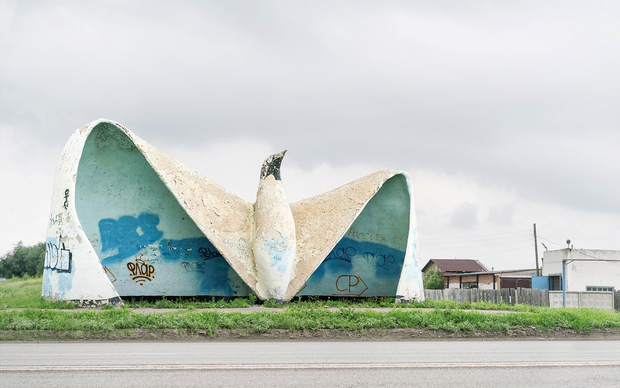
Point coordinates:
[(129, 220), (359, 240)]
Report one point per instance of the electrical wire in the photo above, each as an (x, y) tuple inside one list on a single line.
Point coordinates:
[(585, 254), (475, 246), (482, 241), (497, 253), (552, 242), (475, 237)]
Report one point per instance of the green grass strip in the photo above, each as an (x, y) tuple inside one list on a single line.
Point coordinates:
[(26, 293), (306, 319)]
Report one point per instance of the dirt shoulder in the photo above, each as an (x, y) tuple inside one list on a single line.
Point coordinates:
[(400, 334)]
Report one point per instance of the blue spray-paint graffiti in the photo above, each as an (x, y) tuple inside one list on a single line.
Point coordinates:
[(47, 285), (58, 266), (339, 260), (373, 265), (198, 254), (128, 235), (131, 236), (188, 248)]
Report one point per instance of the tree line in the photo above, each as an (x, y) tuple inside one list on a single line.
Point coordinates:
[(23, 261)]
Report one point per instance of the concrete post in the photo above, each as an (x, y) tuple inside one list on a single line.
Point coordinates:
[(563, 282)]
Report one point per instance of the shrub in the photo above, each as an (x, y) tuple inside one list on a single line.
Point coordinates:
[(433, 280), (23, 261)]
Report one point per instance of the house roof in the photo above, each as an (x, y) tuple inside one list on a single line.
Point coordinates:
[(513, 273), (456, 265)]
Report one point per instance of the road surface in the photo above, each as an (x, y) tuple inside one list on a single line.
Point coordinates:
[(311, 364)]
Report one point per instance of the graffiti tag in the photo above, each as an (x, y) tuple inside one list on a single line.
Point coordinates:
[(191, 266), (398, 242), (56, 220), (344, 283), (345, 253), (374, 237), (141, 271), (208, 253), (382, 261), (57, 258), (66, 204)]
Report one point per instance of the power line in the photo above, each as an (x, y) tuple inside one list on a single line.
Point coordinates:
[(480, 235), (447, 241), (552, 242), (482, 241), (497, 253), (585, 254), (476, 246)]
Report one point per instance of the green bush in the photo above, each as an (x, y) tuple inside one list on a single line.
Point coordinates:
[(23, 261), (433, 280)]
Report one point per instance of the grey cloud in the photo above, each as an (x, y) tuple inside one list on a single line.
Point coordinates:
[(464, 216), (482, 90), (502, 215)]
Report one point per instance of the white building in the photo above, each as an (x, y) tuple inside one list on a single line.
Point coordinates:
[(586, 269)]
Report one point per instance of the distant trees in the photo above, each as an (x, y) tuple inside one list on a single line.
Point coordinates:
[(23, 261), (433, 280)]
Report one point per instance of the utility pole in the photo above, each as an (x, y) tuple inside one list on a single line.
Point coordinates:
[(536, 251)]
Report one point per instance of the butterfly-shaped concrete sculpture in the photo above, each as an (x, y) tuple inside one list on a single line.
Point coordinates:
[(129, 220)]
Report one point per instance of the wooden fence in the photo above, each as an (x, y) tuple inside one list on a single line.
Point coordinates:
[(510, 296)]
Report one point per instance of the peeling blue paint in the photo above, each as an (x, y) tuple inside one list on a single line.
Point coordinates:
[(281, 255), (47, 286), (379, 266), (57, 266), (196, 248), (194, 261), (128, 235), (65, 283), (216, 280)]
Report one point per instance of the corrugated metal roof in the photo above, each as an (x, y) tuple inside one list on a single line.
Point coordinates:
[(517, 273), (458, 265)]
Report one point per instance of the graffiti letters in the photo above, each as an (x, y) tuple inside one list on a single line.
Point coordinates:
[(376, 237), (198, 266), (141, 271), (56, 220), (207, 253), (373, 237), (66, 204), (345, 253), (382, 261), (191, 266), (398, 243), (57, 257), (188, 249), (345, 283)]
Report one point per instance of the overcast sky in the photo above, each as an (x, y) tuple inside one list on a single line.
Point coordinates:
[(504, 114)]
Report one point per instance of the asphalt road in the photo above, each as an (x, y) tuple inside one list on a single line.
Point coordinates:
[(311, 364)]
